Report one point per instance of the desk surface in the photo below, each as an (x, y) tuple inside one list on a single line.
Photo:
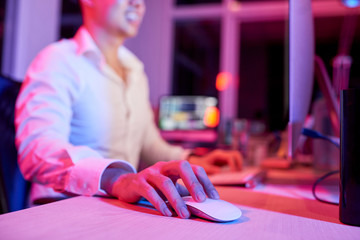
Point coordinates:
[(265, 216)]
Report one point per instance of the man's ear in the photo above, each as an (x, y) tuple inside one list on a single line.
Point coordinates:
[(88, 3)]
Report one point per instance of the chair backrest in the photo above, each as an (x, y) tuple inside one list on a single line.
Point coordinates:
[(14, 188)]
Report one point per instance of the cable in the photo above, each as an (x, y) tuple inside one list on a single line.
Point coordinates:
[(318, 181), (314, 134)]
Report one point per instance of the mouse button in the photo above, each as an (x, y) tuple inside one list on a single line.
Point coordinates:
[(198, 213), (229, 212), (223, 210), (217, 210)]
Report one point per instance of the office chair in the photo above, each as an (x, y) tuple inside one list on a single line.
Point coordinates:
[(14, 189), (3, 201)]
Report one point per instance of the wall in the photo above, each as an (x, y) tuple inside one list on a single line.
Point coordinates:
[(30, 26)]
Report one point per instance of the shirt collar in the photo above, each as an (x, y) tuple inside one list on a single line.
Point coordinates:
[(86, 46)]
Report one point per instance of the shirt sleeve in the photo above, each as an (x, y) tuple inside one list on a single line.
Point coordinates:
[(155, 148), (43, 124)]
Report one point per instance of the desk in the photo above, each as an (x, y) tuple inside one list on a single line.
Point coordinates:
[(265, 216)]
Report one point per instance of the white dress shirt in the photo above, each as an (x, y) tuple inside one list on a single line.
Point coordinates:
[(75, 116)]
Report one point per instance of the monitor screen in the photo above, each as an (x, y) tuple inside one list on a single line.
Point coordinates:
[(188, 113)]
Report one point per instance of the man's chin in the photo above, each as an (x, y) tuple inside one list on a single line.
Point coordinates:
[(129, 33)]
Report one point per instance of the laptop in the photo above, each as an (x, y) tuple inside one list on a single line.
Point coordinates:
[(188, 113), (249, 177)]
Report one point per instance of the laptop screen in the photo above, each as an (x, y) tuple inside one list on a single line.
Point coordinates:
[(188, 113)]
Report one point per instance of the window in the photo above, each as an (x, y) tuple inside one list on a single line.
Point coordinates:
[(263, 73), (71, 18), (238, 38), (328, 32), (196, 57)]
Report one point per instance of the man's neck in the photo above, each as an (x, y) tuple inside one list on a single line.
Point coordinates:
[(107, 42)]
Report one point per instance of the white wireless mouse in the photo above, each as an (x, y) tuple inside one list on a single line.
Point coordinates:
[(214, 210)]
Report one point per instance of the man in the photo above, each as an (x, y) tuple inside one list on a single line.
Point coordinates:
[(83, 120)]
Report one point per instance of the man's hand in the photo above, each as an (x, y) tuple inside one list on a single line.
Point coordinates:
[(216, 160), (158, 184)]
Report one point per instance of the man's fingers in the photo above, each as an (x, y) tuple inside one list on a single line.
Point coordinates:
[(231, 161), (191, 182), (232, 158), (211, 169), (226, 157), (182, 190), (205, 182), (238, 159), (167, 187), (148, 192)]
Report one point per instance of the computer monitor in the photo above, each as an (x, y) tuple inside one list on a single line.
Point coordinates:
[(301, 68), (188, 113)]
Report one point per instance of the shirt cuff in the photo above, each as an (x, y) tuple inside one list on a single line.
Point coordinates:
[(85, 176), (121, 164)]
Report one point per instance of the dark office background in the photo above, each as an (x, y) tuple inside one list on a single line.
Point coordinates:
[(2, 20), (263, 95)]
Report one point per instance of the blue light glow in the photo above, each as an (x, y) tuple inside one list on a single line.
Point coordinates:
[(351, 3)]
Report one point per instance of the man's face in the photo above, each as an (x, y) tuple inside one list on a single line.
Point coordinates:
[(121, 17)]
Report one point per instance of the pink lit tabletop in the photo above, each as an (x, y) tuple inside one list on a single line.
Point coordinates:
[(266, 215)]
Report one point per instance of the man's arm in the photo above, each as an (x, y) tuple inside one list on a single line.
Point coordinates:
[(43, 117)]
